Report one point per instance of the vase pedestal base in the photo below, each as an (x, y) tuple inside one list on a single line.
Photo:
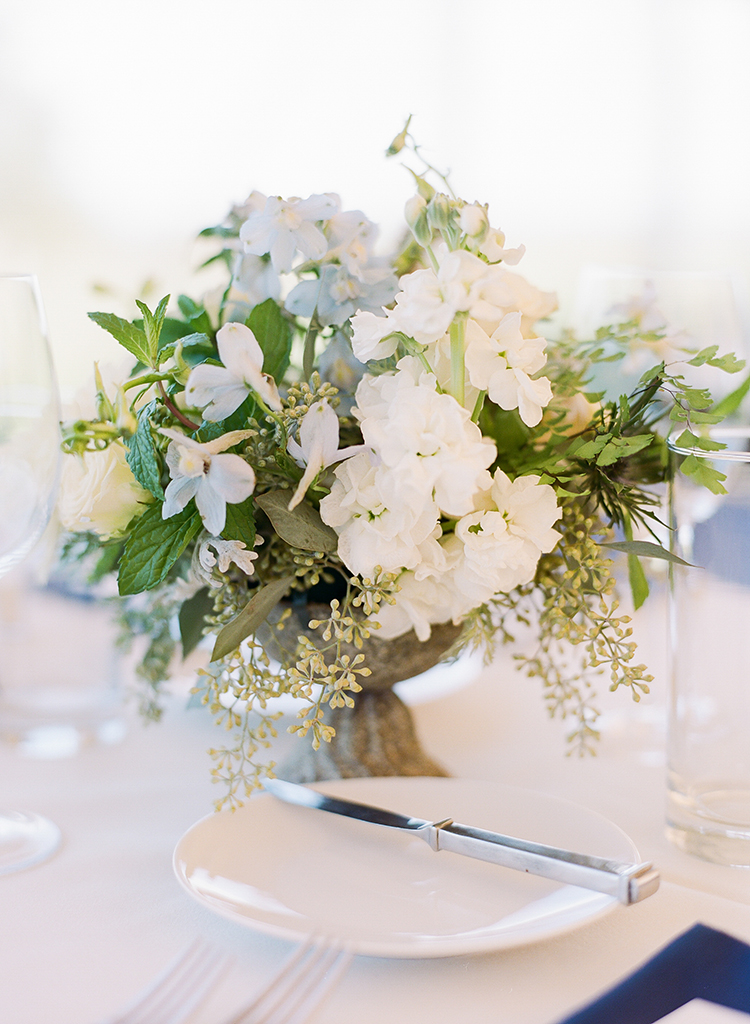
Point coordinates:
[(374, 738)]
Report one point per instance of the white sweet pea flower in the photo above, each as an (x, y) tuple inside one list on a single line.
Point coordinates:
[(337, 294), (223, 389), (227, 552), (318, 446), (285, 227), (214, 480), (502, 366)]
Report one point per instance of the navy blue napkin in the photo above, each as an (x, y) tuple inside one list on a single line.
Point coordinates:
[(702, 963)]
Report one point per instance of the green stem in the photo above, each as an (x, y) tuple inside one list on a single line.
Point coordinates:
[(478, 406), (145, 378), (458, 369), (432, 258)]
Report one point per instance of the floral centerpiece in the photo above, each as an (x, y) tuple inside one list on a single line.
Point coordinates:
[(399, 440)]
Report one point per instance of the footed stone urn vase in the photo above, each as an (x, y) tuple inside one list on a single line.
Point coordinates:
[(377, 736)]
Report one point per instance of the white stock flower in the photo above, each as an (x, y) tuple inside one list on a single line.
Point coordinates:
[(380, 518), (424, 435), (428, 302), (502, 366), (337, 294), (419, 604), (227, 552), (285, 227), (223, 389), (373, 336), (503, 541), (503, 292), (318, 446), (214, 480), (98, 492)]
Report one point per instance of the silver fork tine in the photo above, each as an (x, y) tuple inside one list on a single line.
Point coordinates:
[(176, 991), (299, 988)]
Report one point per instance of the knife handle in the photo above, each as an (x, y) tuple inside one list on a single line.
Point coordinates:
[(629, 883)]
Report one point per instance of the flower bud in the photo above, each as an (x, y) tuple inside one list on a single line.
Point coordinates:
[(415, 212), (104, 408), (125, 420), (473, 222), (439, 211)]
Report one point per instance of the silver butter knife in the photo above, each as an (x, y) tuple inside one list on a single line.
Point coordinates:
[(629, 883)]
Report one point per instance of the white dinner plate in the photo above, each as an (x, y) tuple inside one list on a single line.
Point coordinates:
[(291, 871)]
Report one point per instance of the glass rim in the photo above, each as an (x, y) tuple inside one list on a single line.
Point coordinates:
[(725, 434)]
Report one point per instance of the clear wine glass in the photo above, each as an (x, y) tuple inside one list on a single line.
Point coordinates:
[(29, 470)]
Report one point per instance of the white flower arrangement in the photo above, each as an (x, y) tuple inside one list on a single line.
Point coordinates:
[(401, 435)]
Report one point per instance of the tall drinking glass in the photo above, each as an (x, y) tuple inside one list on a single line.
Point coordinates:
[(708, 812), (29, 468)]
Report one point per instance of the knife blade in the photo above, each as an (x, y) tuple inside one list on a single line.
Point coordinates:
[(629, 883)]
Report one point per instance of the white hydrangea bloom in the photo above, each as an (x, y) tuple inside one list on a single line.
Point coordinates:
[(214, 480), (285, 227), (223, 389), (502, 365)]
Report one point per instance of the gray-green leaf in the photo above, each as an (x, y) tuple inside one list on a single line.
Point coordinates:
[(646, 549), (154, 546), (192, 619), (254, 614), (301, 527)]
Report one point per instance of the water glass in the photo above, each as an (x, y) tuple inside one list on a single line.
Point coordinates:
[(708, 810)]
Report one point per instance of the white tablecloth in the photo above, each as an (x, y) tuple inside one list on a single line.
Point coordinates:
[(84, 931)]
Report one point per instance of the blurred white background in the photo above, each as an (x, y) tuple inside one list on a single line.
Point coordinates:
[(600, 132)]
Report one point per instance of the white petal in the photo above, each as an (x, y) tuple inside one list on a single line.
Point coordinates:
[(212, 507), (178, 494), (220, 444), (239, 349), (311, 240), (231, 477)]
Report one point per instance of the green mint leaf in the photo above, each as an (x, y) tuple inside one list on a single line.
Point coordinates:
[(128, 335), (253, 615), (302, 527), (192, 619), (274, 335), (196, 315), (152, 324), (142, 457), (154, 546), (191, 343), (240, 523)]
